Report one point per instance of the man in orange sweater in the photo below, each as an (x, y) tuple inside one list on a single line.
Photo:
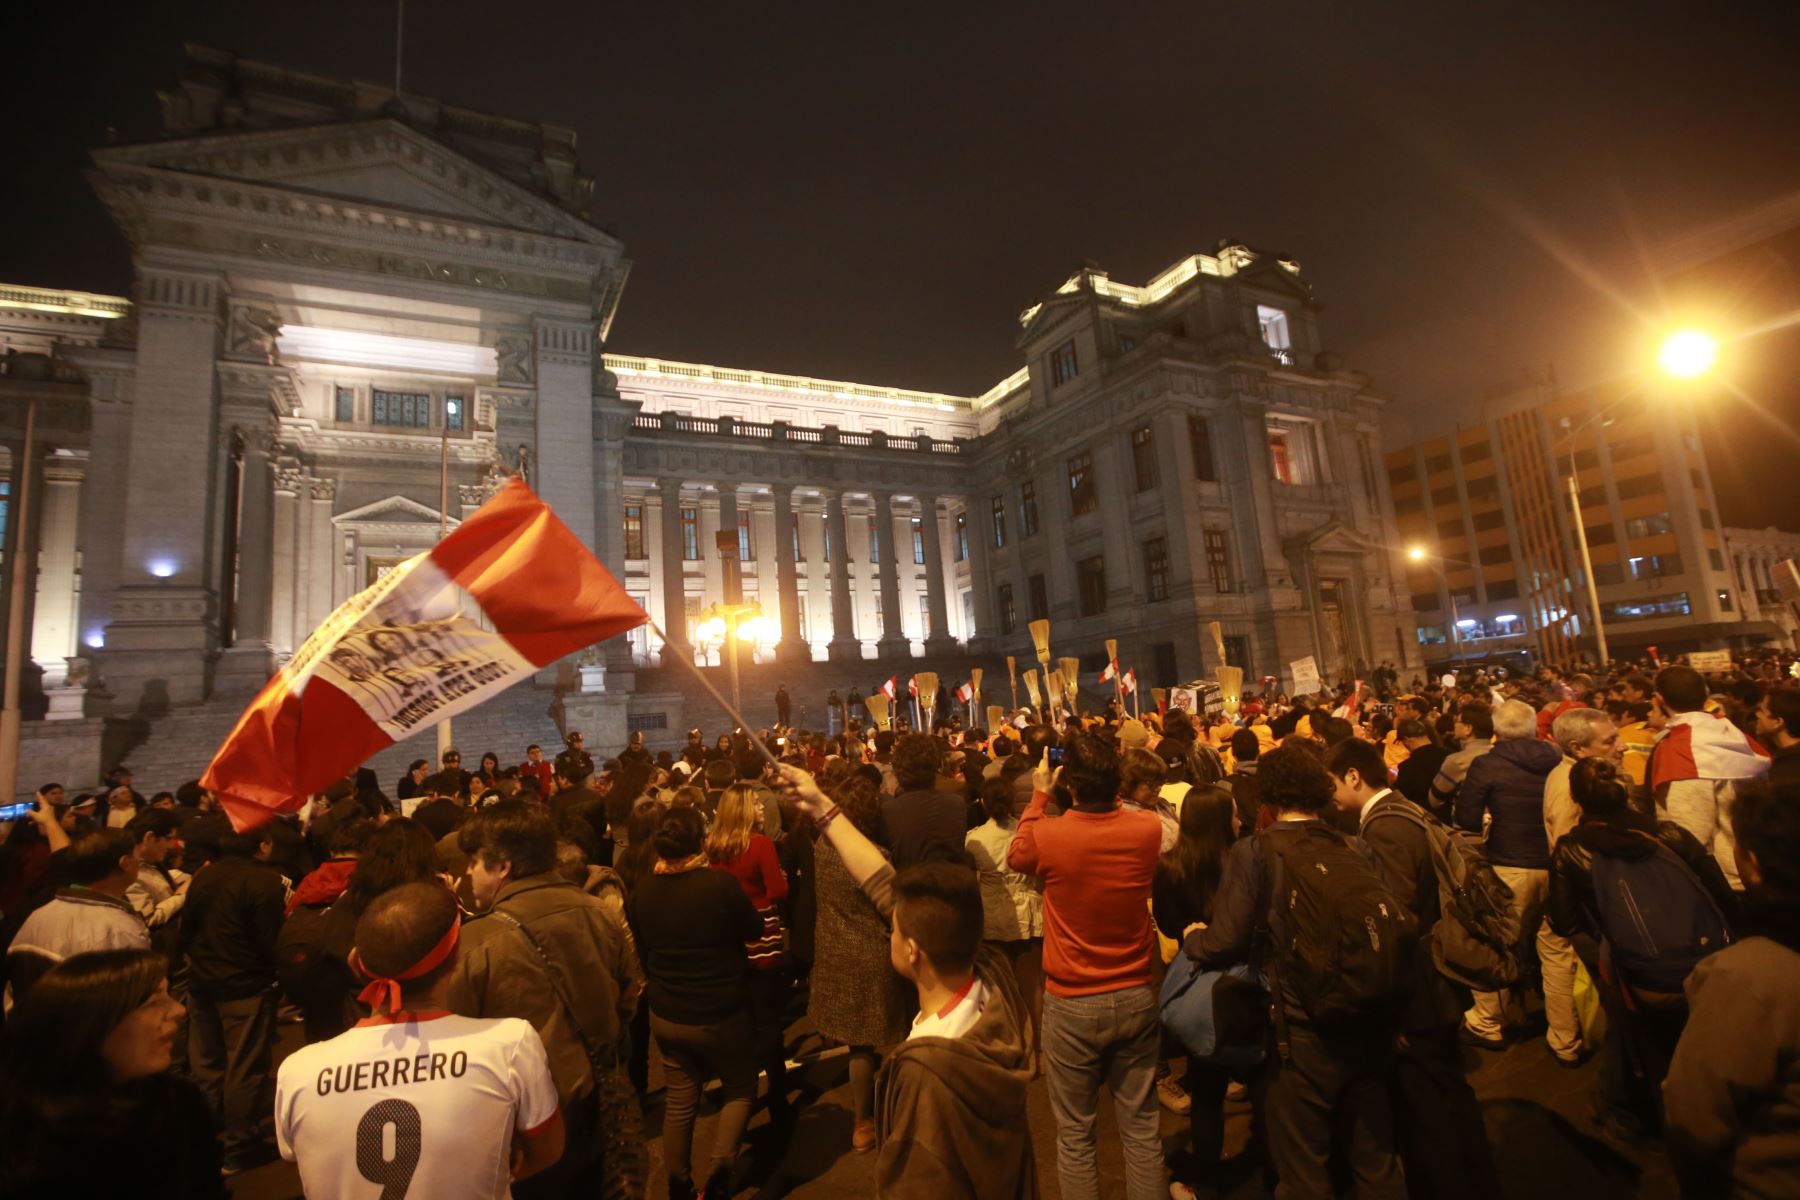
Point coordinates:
[(1100, 1018)]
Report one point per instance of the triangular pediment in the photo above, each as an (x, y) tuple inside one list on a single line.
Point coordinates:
[(382, 164), (394, 510), (1269, 275), (1333, 537)]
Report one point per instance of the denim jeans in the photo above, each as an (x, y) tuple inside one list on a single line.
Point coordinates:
[(1110, 1038), (692, 1054)]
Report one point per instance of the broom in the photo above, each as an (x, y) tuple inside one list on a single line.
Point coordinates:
[(996, 719), (975, 692), (1031, 689), (877, 704), (1040, 638), (1012, 676), (1071, 685), (1231, 684), (928, 685)]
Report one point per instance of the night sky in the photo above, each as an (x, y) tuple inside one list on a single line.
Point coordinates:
[(874, 192)]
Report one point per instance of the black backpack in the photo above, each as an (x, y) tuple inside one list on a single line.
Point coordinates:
[(1341, 941), (1657, 918), (1476, 939)]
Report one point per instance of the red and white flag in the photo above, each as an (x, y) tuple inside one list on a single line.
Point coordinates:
[(1702, 745), (966, 693), (1128, 681), (891, 689), (912, 686), (1112, 668), (399, 657)]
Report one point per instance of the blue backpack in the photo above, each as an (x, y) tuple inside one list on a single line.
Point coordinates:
[(1221, 1016), (1657, 918)]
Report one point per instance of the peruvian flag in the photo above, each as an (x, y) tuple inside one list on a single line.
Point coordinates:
[(1128, 681), (1112, 668), (891, 689), (398, 657), (1701, 745), (966, 693)]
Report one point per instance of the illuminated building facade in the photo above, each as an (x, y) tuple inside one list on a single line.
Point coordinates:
[(347, 300)]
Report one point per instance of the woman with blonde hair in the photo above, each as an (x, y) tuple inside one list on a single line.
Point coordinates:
[(736, 846)]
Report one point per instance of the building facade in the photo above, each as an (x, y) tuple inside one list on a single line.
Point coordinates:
[(355, 312)]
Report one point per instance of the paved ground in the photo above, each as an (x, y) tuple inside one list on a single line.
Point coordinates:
[(1545, 1143)]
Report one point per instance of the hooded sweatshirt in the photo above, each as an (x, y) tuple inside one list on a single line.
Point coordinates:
[(952, 1117)]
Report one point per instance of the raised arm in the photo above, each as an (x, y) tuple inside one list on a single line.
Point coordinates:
[(862, 858)]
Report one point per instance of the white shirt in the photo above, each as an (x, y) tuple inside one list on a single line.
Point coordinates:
[(423, 1108), (1371, 802), (955, 1018), (78, 921)]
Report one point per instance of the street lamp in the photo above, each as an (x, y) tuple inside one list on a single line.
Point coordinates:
[(1437, 562), (1686, 355), (732, 623)]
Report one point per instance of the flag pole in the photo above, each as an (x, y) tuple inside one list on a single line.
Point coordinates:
[(730, 709)]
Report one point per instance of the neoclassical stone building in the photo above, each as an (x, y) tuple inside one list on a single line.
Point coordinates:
[(354, 311)]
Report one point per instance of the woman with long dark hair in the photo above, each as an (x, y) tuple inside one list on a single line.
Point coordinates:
[(87, 1104), (1181, 894)]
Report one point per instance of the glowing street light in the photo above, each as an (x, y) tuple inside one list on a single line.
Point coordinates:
[(1688, 354), (1416, 553)]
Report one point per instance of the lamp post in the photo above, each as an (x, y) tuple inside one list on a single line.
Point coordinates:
[(451, 409), (10, 729), (1436, 562), (1686, 354), (732, 622)]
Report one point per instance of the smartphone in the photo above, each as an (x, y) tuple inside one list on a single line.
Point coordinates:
[(781, 741), (1056, 755), (19, 811)]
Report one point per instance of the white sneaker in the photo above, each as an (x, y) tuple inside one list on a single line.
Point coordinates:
[(1172, 1096)]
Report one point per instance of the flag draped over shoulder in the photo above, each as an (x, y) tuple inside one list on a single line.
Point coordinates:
[(509, 591), (1698, 745)]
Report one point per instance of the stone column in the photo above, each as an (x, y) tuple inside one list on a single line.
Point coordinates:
[(939, 641), (1180, 497), (893, 643), (319, 554), (1254, 478), (58, 504), (981, 574), (256, 517), (563, 366), (674, 573), (102, 523), (731, 570), (792, 647), (844, 647), (164, 616), (285, 568)]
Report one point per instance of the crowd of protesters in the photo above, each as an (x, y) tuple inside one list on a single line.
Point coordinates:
[(1316, 906)]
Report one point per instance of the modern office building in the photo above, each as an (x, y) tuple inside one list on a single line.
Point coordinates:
[(355, 312)]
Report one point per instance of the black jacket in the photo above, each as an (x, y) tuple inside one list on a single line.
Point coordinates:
[(691, 928), (229, 925), (1413, 780), (1403, 856), (924, 824), (1571, 906), (1509, 781), (1785, 767)]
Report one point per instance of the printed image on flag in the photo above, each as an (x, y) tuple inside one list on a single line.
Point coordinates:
[(510, 590)]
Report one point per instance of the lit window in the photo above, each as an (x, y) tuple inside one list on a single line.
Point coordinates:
[(746, 544), (924, 616), (1063, 366), (1724, 601), (999, 521), (1278, 451), (634, 531), (1143, 458), (962, 537), (411, 410), (874, 539), (690, 534), (1156, 569), (794, 534), (1090, 583), (1082, 498), (1274, 325), (454, 409), (918, 532)]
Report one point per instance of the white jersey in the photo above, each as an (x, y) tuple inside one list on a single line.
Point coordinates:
[(422, 1108)]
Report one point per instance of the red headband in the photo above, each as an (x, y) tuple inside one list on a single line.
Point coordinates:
[(387, 987)]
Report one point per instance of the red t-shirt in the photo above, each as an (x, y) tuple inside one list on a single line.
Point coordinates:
[(759, 870), (1096, 869)]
